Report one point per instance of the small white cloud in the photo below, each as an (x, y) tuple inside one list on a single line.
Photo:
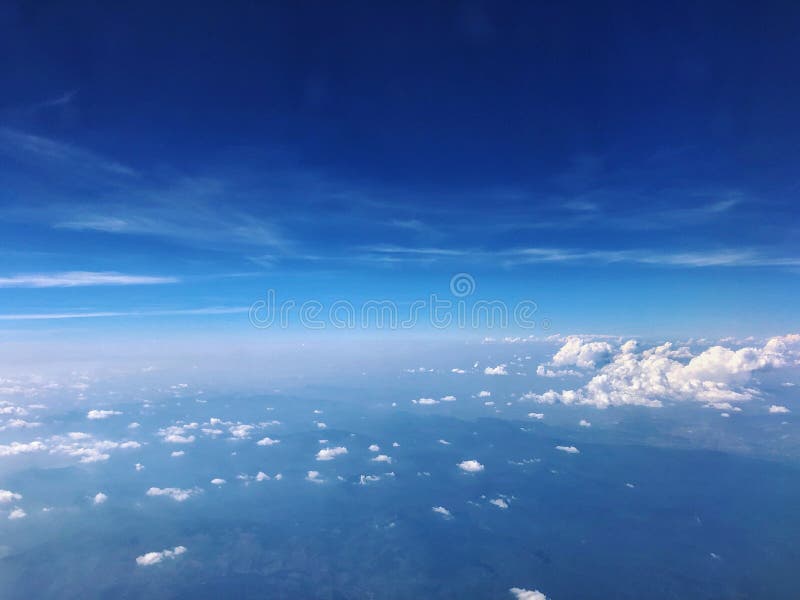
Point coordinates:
[(331, 453), (383, 458), (442, 511), (395, 445), (313, 476), (365, 479), (498, 370), (218, 481), (458, 371), (17, 513), (471, 466), (568, 449), (444, 442), (321, 425), (267, 441), (95, 414), (153, 558), (499, 503), (99, 498), (139, 467), (425, 401), (523, 594), (448, 398), (6, 497), (261, 476), (776, 409), (535, 415), (177, 494), (177, 453), (484, 394), (134, 425), (584, 423), (374, 448)]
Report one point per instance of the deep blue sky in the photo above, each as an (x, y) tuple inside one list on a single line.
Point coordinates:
[(633, 169)]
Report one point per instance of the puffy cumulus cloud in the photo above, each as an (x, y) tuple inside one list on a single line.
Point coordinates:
[(178, 434), (16, 514), (241, 431), (579, 352), (535, 415), (313, 477), (441, 510), (374, 448), (331, 453), (383, 458), (153, 558), (523, 594), (498, 370), (218, 481), (366, 479), (177, 453), (716, 376), (86, 448), (425, 401), (458, 371), (99, 498), (471, 466), (499, 503), (15, 448), (96, 415), (584, 423), (448, 398), (484, 394), (7, 496), (177, 494), (776, 409), (545, 371), (267, 441), (568, 449)]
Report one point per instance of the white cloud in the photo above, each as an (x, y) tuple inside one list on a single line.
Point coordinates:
[(177, 494), (458, 371), (79, 279), (444, 442), (374, 448), (383, 458), (15, 448), (448, 398), (535, 415), (99, 498), (134, 425), (581, 353), (498, 370), (95, 414), (241, 431), (499, 503), (313, 476), (177, 453), (544, 371), (261, 476), (218, 481), (425, 401), (777, 410), (584, 423), (523, 594), (484, 394), (153, 558), (471, 466), (568, 449), (651, 376), (6, 497), (331, 453), (17, 513), (139, 467), (267, 441), (442, 511)]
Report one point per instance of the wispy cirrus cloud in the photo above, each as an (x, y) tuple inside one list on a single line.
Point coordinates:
[(81, 279), (211, 310)]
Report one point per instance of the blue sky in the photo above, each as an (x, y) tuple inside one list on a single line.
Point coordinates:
[(631, 170)]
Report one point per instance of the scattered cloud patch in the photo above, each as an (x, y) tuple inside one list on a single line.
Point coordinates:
[(153, 558), (471, 466)]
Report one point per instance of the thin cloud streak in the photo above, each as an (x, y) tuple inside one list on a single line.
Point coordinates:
[(81, 279), (213, 310)]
